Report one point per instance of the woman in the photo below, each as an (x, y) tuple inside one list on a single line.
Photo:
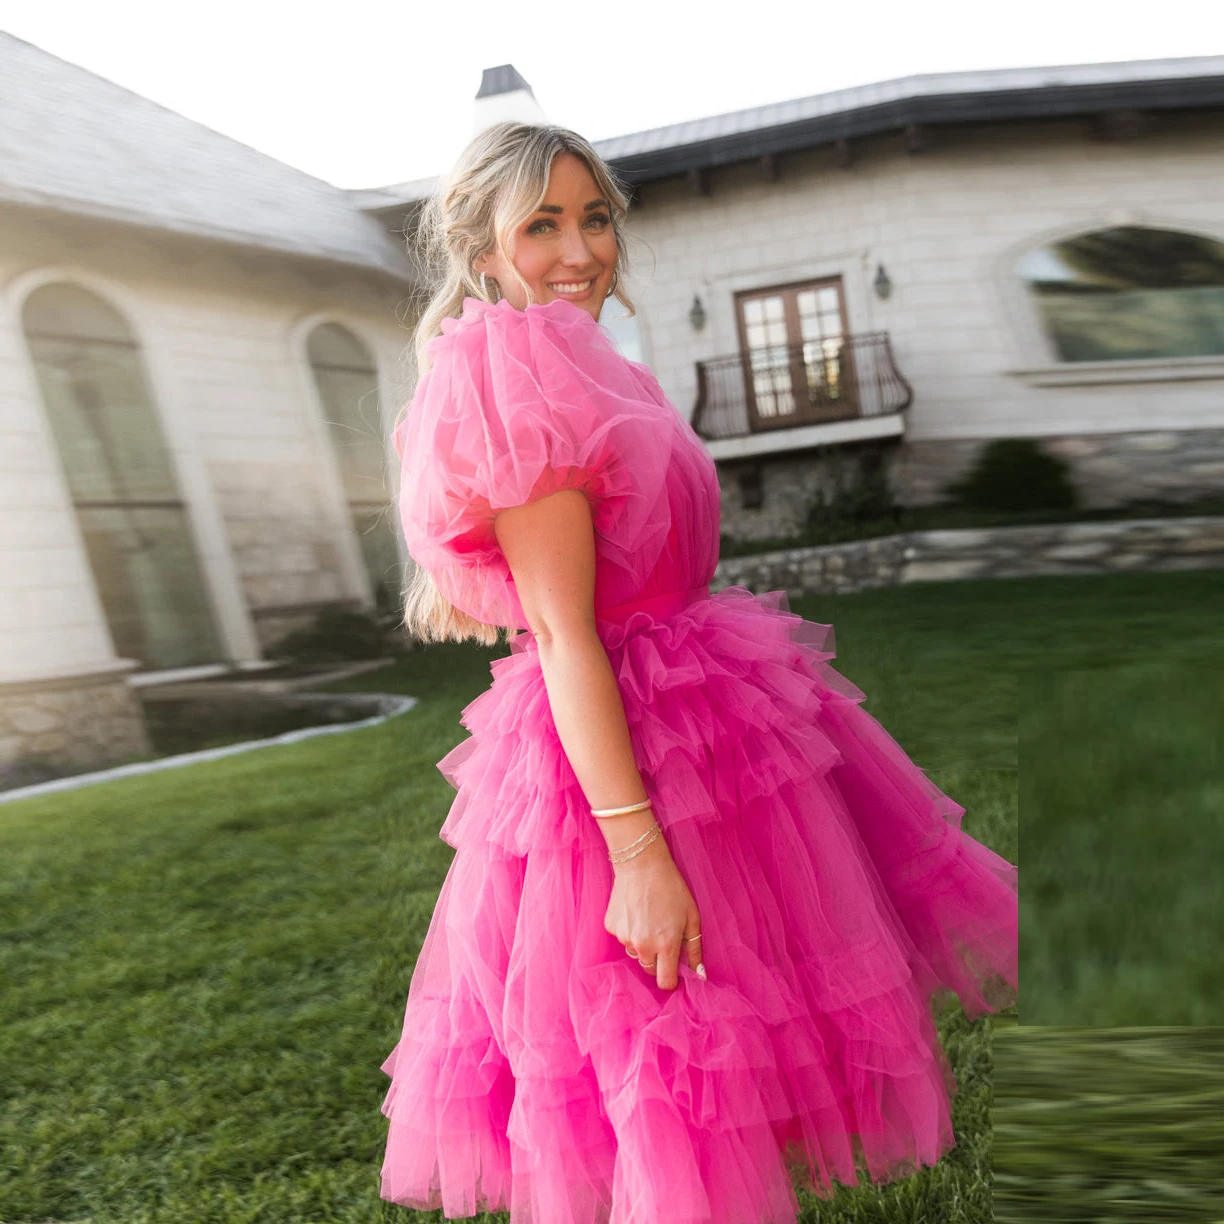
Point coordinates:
[(655, 770)]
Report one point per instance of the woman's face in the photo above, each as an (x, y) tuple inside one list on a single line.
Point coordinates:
[(564, 249)]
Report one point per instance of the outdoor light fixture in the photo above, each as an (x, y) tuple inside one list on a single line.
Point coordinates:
[(697, 314), (881, 284)]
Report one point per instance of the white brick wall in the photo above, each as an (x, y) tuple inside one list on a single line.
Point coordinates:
[(220, 350), (947, 224)]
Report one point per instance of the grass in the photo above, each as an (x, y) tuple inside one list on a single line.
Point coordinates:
[(204, 967), (1113, 1126), (1122, 787)]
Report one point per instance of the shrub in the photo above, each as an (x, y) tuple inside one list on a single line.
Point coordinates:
[(866, 497), (1014, 474), (336, 635)]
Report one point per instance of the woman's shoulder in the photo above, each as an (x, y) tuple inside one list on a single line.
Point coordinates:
[(482, 326)]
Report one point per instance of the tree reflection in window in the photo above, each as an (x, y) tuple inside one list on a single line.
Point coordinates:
[(133, 519), (347, 380), (1130, 292)]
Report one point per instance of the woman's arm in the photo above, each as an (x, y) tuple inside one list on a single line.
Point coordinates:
[(549, 546)]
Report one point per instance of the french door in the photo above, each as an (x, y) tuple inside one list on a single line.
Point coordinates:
[(796, 356)]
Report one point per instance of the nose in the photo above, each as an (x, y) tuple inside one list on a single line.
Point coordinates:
[(574, 248)]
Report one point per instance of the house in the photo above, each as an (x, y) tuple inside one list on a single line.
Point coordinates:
[(200, 348), (889, 276)]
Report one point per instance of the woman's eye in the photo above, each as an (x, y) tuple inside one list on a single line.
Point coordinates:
[(538, 227)]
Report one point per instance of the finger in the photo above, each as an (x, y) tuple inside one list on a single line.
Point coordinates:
[(693, 945), (666, 968)]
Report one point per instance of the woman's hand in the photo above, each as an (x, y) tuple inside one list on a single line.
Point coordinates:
[(652, 913)]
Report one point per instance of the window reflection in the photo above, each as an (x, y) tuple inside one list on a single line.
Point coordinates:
[(347, 381), (1130, 292), (132, 519)]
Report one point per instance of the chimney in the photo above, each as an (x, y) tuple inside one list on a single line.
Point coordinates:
[(504, 94)]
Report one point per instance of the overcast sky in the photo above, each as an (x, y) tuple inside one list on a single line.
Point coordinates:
[(366, 93)]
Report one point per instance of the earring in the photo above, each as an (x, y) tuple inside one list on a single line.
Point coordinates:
[(612, 286), (484, 290)]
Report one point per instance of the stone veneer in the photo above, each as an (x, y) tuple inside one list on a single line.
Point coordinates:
[(996, 552), (1107, 469), (70, 722)]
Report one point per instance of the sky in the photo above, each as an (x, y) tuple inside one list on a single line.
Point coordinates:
[(366, 94)]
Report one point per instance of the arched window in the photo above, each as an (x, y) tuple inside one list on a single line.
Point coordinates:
[(123, 487), (1129, 292), (347, 380)]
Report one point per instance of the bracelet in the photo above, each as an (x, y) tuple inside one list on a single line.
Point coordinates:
[(624, 811), (653, 834), (636, 840)]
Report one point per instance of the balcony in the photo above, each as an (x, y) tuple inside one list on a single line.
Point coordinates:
[(787, 397)]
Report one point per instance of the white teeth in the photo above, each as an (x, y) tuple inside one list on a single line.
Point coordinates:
[(580, 288)]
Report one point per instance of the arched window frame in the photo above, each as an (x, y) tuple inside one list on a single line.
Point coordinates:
[(222, 581), (353, 569), (1037, 360)]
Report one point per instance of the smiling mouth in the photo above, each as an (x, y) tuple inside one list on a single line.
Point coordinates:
[(572, 288)]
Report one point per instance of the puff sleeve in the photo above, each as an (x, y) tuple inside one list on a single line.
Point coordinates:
[(516, 405)]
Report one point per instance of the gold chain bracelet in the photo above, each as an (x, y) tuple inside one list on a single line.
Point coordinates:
[(651, 835)]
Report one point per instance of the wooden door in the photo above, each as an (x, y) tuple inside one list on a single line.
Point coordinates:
[(796, 356)]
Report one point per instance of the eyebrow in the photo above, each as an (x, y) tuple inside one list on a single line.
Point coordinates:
[(556, 208)]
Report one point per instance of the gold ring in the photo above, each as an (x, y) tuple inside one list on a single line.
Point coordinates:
[(692, 937)]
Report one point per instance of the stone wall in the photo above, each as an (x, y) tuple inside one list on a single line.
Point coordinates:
[(1107, 469), (998, 552), (49, 726), (790, 484)]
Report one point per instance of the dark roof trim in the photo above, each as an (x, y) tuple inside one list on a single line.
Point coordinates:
[(1040, 102)]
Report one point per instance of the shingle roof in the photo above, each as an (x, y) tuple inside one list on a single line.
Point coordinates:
[(1004, 93), (75, 142), (976, 84)]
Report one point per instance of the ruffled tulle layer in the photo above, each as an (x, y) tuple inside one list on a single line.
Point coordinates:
[(541, 1071)]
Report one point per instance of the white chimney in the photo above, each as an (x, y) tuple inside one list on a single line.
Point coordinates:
[(504, 94)]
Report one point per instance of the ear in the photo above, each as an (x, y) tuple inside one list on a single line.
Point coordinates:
[(481, 263)]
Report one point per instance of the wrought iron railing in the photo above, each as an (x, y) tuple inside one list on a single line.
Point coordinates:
[(800, 384)]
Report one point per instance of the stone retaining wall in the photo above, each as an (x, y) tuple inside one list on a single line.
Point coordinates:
[(70, 723), (995, 552)]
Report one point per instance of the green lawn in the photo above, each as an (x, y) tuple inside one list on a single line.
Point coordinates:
[(204, 967), (1122, 791), (1108, 1126)]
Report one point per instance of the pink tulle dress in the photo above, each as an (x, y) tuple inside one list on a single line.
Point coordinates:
[(540, 1070)]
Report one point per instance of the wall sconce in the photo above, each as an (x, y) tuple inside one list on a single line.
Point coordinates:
[(697, 314), (881, 284)]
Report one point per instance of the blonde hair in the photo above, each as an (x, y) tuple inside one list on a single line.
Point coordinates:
[(500, 179)]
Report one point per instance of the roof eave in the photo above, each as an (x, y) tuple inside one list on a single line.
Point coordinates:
[(22, 197), (1039, 102)]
